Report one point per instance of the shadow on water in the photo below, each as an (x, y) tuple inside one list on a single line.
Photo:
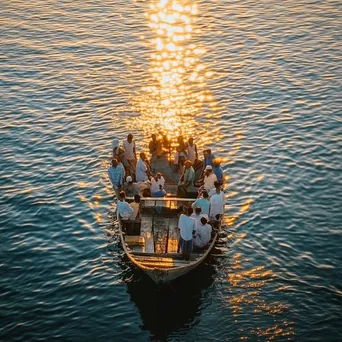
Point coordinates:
[(171, 307)]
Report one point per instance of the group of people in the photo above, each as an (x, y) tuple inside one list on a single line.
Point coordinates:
[(133, 178)]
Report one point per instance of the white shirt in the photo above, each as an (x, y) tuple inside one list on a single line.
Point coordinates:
[(202, 235), (125, 210), (140, 171), (216, 204), (209, 181), (155, 184), (129, 149), (192, 153), (186, 225), (197, 218)]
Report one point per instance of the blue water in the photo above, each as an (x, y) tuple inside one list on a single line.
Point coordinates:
[(74, 76)]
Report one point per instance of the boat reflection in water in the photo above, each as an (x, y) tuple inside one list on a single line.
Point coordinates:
[(166, 309), (175, 99)]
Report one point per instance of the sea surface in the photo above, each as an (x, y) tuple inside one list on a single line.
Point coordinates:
[(259, 82)]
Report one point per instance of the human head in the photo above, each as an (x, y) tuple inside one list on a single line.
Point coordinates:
[(217, 162), (205, 194), (205, 153), (190, 211), (129, 179), (154, 137), (122, 195), (203, 220), (187, 164), (208, 169), (209, 151), (191, 140), (198, 210), (142, 155), (130, 137), (136, 198), (115, 162)]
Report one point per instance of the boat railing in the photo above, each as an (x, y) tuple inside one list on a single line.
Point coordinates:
[(170, 202)]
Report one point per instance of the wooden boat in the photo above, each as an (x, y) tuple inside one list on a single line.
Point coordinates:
[(151, 241)]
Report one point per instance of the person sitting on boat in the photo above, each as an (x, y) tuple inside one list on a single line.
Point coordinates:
[(136, 207), (187, 227), (126, 212), (160, 193), (131, 188), (156, 181), (115, 174), (141, 170), (208, 182), (191, 150), (203, 234), (218, 171), (202, 202), (186, 179), (155, 147), (130, 159), (217, 202)]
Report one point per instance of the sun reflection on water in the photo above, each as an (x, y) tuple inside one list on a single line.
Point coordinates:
[(177, 92)]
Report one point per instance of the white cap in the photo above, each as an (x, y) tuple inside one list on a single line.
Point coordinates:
[(129, 179), (208, 167)]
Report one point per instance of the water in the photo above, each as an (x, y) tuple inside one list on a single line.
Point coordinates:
[(266, 98)]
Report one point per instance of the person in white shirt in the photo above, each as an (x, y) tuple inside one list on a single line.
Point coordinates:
[(187, 227), (197, 216), (192, 151), (217, 202), (156, 181), (124, 209), (203, 234), (141, 169), (130, 159)]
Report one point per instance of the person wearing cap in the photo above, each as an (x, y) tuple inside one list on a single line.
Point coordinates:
[(131, 188), (130, 159), (186, 179), (115, 174), (203, 233), (208, 182), (203, 203), (217, 202)]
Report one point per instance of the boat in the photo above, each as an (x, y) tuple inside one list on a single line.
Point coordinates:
[(151, 241)]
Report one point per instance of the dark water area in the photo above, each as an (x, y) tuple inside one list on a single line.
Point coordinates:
[(261, 85)]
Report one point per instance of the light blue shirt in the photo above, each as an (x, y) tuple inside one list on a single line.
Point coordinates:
[(203, 203), (125, 210), (116, 176)]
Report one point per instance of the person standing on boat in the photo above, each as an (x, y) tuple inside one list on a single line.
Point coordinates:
[(141, 170), (218, 171), (126, 212), (197, 216), (130, 159), (203, 203), (203, 234), (155, 147), (115, 174), (192, 150), (187, 227), (208, 158), (186, 179), (208, 182), (156, 181), (217, 203)]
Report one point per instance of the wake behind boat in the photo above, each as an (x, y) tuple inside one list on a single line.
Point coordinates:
[(151, 240)]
